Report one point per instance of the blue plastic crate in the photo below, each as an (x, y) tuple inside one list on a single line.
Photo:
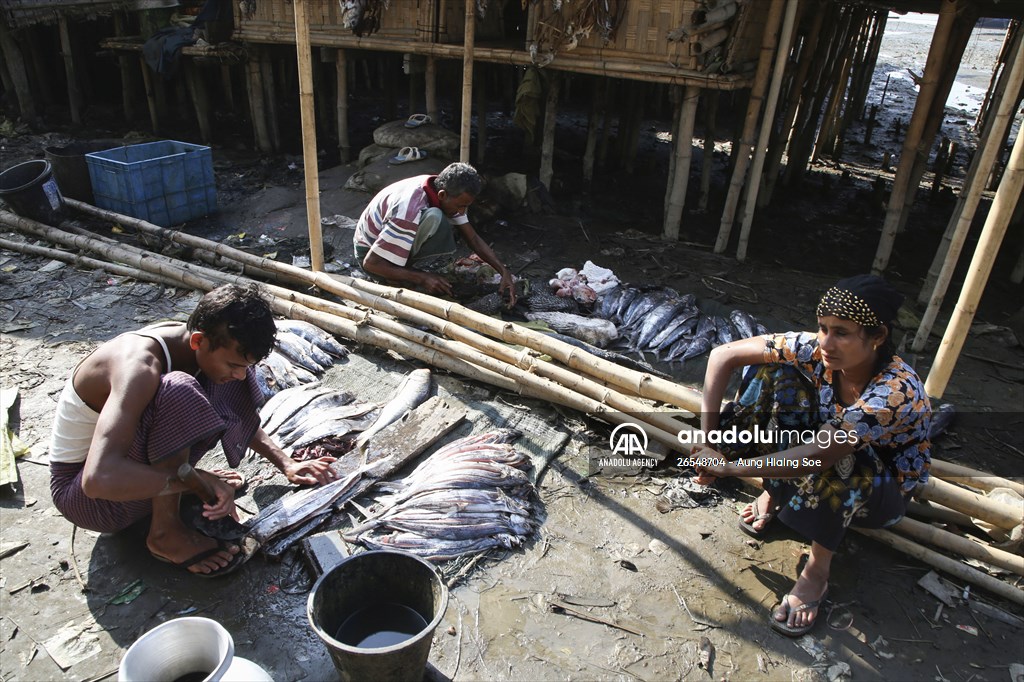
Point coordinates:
[(165, 183)]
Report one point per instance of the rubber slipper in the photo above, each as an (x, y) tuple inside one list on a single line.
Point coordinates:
[(407, 154), (236, 561), (416, 120), (749, 529), (783, 627)]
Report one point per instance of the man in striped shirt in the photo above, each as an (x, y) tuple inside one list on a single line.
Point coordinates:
[(410, 222)]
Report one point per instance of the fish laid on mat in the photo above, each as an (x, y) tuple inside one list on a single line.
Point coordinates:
[(413, 391), (592, 330), (470, 495), (314, 335)]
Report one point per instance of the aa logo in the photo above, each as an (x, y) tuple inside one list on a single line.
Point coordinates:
[(628, 440)]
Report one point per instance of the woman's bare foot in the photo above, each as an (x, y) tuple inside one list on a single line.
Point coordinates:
[(810, 588)]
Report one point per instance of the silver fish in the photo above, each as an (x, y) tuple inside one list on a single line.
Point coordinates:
[(609, 302), (334, 428), (744, 323), (592, 330), (315, 335), (643, 304), (661, 317), (699, 346), (286, 403), (439, 550), (413, 391), (297, 352), (281, 368), (327, 408), (681, 322), (723, 332), (625, 300)]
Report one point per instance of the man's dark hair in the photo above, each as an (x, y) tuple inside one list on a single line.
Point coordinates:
[(236, 312), (458, 179)]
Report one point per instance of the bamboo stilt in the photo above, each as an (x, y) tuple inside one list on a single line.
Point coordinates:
[(467, 80), (1013, 31), (226, 87), (680, 176), (341, 78), (631, 138), (547, 154), (74, 92), (148, 83), (308, 117), (772, 100), (742, 151), (926, 94), (200, 100), (257, 113), (269, 85), (430, 88), (937, 280), (594, 124), (127, 75), (708, 159), (675, 98), (481, 115), (996, 222)]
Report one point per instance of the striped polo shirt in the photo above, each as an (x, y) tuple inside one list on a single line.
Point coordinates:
[(388, 225)]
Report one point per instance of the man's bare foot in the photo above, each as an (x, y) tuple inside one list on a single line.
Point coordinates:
[(233, 478), (182, 547)]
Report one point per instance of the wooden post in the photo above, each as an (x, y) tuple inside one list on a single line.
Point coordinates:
[(430, 89), (675, 98), (708, 160), (467, 81), (781, 57), (1007, 196), (200, 98), (226, 87), (764, 63), (15, 63), (971, 197), (594, 125), (308, 117), (929, 84), (680, 177), (547, 150), (341, 77), (74, 92), (481, 114), (254, 87), (150, 86), (270, 95)]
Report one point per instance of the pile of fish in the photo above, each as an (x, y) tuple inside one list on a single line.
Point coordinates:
[(299, 417), (469, 496), (302, 353), (670, 325)]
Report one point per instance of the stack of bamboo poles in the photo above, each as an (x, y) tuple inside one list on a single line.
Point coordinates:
[(451, 337)]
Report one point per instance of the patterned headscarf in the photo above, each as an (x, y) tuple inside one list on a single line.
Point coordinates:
[(867, 300)]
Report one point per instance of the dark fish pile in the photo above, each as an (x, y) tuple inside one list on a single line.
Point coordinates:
[(669, 324), (541, 300), (302, 353), (469, 496)]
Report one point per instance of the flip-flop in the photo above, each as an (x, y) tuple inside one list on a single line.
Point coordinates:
[(407, 154), (749, 529), (416, 120), (236, 561), (782, 627)]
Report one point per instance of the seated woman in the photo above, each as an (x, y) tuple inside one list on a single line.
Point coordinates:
[(848, 423)]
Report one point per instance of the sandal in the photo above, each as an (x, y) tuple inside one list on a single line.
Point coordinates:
[(783, 627), (416, 120), (236, 561), (407, 154), (749, 529)]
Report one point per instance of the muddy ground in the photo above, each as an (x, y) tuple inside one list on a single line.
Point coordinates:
[(664, 580)]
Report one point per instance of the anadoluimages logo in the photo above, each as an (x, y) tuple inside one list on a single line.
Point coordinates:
[(628, 440)]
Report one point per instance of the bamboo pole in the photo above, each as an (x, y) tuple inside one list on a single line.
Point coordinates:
[(547, 154), (938, 512), (200, 99), (467, 80), (981, 166), (708, 159), (680, 176), (808, 52), (742, 152), (974, 478), (480, 93), (341, 81), (926, 95), (150, 86), (781, 57), (125, 65), (961, 545), (971, 503), (638, 383), (944, 563), (257, 113), (996, 222), (308, 118), (269, 82), (1012, 34), (74, 92), (430, 89)]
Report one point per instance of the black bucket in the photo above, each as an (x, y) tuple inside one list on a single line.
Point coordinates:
[(30, 190), (72, 171), (368, 583)]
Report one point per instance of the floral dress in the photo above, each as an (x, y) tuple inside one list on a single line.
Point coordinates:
[(794, 391)]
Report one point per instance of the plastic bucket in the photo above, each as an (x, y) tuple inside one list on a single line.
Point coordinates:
[(30, 190), (365, 583), (71, 170)]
